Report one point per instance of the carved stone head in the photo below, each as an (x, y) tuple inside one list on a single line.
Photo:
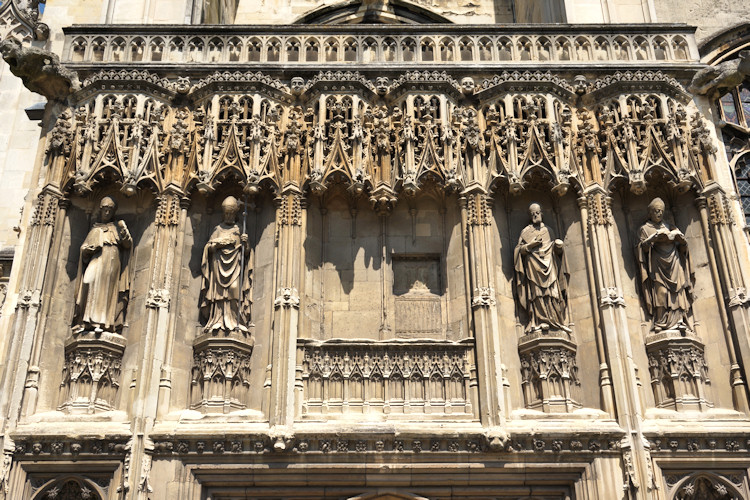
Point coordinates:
[(229, 207), (182, 85), (381, 85), (107, 208), (9, 48), (467, 85), (656, 210), (297, 84), (535, 213)]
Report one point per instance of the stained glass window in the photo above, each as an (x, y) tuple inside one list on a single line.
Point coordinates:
[(745, 103), (742, 174), (728, 109), (734, 106)]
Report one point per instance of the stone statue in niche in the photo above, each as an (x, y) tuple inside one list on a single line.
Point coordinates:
[(541, 275), (666, 276), (103, 285), (225, 291)]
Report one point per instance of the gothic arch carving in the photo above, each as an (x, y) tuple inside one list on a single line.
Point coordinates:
[(705, 486), (69, 488), (358, 12), (20, 19)]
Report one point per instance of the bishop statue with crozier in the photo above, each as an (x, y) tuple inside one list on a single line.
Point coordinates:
[(541, 276), (226, 277)]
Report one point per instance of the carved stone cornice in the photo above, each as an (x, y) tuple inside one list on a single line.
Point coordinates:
[(387, 444)]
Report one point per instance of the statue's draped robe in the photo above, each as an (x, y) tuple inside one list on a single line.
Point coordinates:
[(222, 281), (102, 289), (541, 279), (665, 277), (219, 11)]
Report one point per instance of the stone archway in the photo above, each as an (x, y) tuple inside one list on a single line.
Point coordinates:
[(72, 488), (705, 486)]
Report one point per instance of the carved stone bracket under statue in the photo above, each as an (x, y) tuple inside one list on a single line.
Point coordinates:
[(221, 372), (679, 373), (549, 374), (91, 373)]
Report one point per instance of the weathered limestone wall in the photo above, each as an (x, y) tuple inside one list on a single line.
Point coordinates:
[(286, 11), (709, 16)]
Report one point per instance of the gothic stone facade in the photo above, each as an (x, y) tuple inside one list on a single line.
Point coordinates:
[(392, 330)]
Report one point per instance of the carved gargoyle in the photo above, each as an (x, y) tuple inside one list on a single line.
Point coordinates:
[(723, 76), (40, 70)]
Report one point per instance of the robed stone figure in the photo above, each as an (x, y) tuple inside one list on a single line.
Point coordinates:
[(666, 276), (541, 275), (103, 284), (225, 293)]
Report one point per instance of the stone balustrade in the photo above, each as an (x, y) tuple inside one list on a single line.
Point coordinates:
[(428, 45)]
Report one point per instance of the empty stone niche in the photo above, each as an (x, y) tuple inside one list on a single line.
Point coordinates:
[(418, 295)]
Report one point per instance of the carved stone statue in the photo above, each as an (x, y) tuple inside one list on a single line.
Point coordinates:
[(219, 11), (102, 295), (666, 277), (541, 275), (225, 296)]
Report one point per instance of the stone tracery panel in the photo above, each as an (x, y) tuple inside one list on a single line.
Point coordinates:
[(392, 378)]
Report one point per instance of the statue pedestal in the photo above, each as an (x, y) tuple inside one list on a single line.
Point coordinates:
[(91, 374), (221, 371), (678, 370), (549, 371)]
